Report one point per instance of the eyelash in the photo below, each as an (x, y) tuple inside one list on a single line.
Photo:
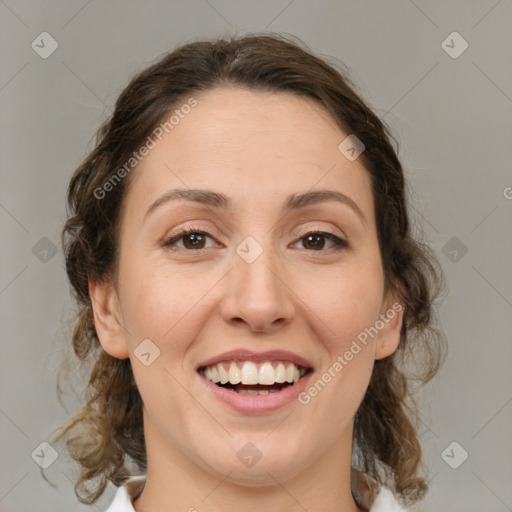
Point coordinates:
[(340, 242)]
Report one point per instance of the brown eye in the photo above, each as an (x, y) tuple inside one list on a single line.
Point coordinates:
[(192, 239), (316, 241)]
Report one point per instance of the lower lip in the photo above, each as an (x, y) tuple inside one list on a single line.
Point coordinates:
[(258, 404)]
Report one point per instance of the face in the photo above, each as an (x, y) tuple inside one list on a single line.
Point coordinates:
[(272, 286)]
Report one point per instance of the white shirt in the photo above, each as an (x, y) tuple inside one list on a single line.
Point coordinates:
[(367, 494)]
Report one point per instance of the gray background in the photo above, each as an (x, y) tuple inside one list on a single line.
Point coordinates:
[(452, 117)]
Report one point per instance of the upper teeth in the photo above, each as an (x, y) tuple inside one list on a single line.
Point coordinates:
[(250, 373)]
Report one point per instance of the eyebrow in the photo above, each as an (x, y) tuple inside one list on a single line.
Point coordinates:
[(292, 202)]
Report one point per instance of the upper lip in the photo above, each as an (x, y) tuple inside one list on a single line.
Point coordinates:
[(256, 357)]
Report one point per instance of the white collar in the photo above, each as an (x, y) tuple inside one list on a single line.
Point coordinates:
[(366, 491)]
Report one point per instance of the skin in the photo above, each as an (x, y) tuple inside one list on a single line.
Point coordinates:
[(257, 148)]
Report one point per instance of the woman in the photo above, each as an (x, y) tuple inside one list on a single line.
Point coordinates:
[(249, 291)]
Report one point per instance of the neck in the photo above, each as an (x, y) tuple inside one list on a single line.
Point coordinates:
[(175, 483)]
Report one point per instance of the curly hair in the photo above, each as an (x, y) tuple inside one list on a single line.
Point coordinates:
[(107, 432)]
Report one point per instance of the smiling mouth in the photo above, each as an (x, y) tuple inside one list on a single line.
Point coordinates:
[(250, 378)]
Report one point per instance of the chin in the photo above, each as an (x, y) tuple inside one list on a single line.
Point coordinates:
[(256, 461)]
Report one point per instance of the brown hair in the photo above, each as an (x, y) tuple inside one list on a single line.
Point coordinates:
[(107, 433)]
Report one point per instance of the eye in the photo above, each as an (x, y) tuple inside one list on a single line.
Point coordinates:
[(195, 239), (316, 241), (192, 239)]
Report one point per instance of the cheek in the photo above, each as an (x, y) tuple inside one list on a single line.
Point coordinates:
[(169, 307), (156, 297), (163, 309), (344, 302)]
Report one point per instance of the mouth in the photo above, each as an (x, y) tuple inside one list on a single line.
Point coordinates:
[(254, 378), (265, 378)]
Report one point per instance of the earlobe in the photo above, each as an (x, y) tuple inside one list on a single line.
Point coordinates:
[(107, 318), (391, 317)]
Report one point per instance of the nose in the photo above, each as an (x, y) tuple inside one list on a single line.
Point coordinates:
[(257, 294)]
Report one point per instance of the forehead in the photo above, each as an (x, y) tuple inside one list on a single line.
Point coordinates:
[(253, 145)]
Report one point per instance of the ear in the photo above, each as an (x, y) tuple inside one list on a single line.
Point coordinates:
[(108, 318), (391, 316)]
